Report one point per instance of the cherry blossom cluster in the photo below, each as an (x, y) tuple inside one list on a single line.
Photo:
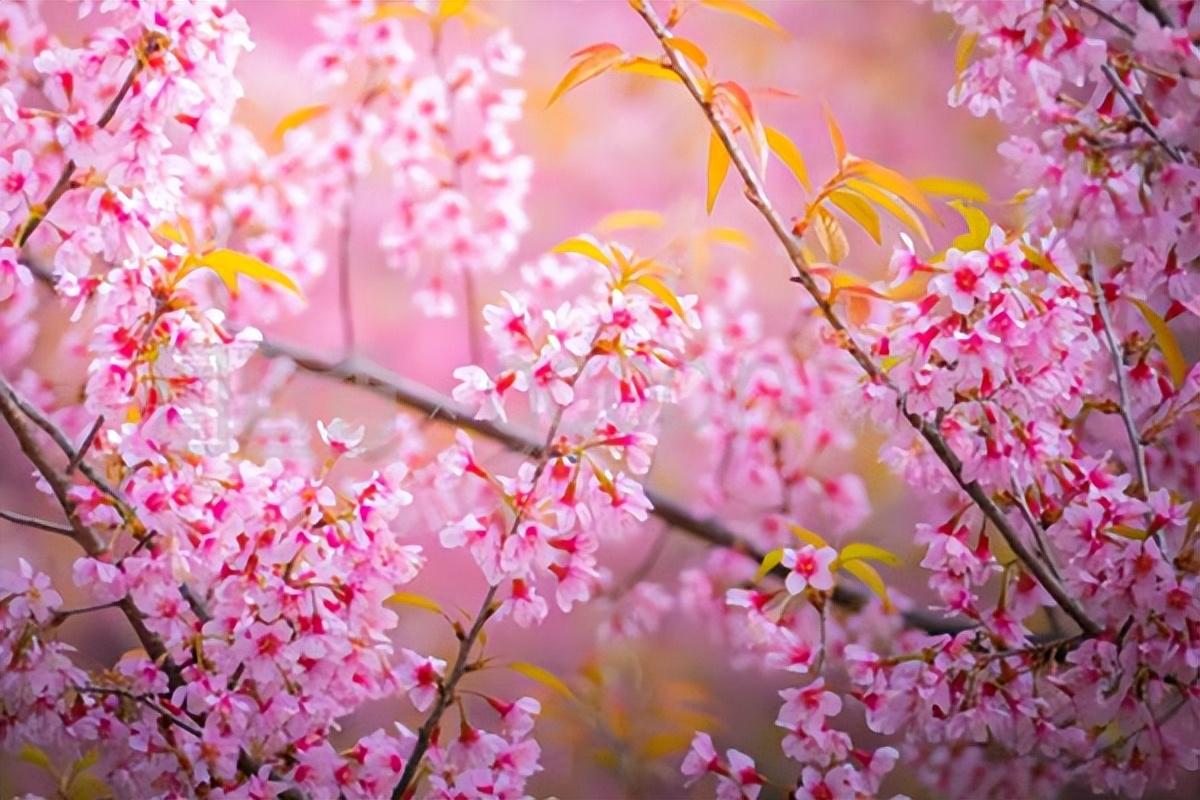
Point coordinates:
[(1044, 357), (600, 366), (439, 125)]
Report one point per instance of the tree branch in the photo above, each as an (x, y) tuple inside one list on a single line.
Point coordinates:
[(937, 443)]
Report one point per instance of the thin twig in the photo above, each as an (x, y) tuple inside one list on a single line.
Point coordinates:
[(804, 276), (87, 444), (37, 523), (1139, 116), (1137, 450), (1107, 17)]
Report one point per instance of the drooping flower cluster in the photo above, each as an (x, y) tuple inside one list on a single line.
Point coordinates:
[(441, 128)]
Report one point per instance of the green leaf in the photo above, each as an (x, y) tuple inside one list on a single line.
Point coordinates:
[(543, 676)]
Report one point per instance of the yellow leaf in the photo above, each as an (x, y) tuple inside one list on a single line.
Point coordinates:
[(414, 599), (584, 247), (769, 562), (730, 236), (787, 152), (891, 180), (229, 264), (873, 580), (1042, 261), (36, 756), (664, 744), (744, 10), (86, 786), (953, 187), (662, 292), (181, 234), (862, 550), (978, 227), (596, 59), (831, 236), (648, 67), (451, 8), (1166, 342), (298, 118), (807, 536), (858, 210), (405, 10), (690, 50), (633, 218), (718, 168), (542, 676), (731, 95), (962, 51), (1129, 532), (835, 136), (893, 205)]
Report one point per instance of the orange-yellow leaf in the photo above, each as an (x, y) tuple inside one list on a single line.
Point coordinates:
[(893, 205), (451, 8), (662, 292), (298, 118), (1166, 342), (665, 744), (891, 180), (858, 210), (633, 218), (871, 577), (962, 51), (542, 676), (744, 10), (953, 187), (835, 136), (732, 96), (596, 59), (229, 264), (1129, 532), (405, 10), (831, 236), (718, 168), (587, 248), (690, 50), (648, 67), (787, 152), (979, 227), (414, 599), (732, 237)]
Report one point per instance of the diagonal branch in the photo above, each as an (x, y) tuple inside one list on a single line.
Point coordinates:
[(804, 276)]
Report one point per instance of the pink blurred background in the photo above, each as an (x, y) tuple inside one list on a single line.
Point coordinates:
[(616, 143)]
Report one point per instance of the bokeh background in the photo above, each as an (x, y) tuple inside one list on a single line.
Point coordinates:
[(883, 66)]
